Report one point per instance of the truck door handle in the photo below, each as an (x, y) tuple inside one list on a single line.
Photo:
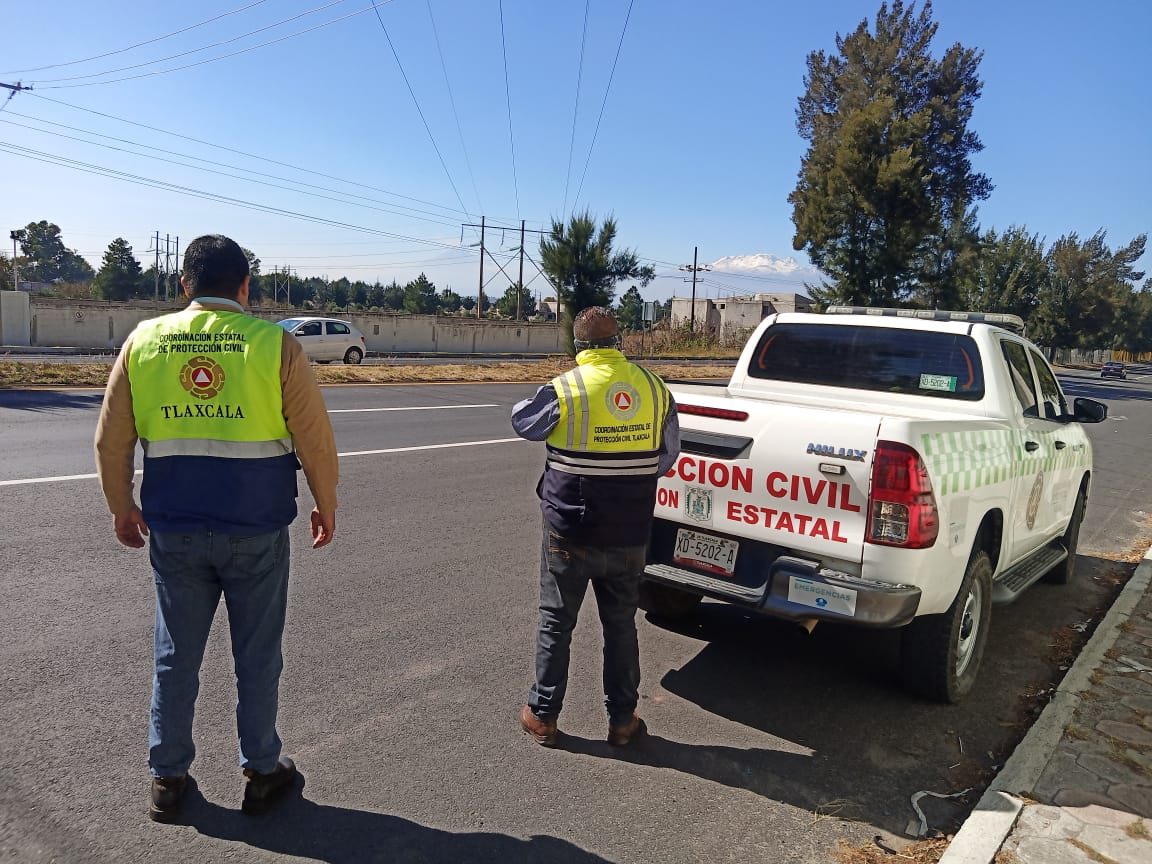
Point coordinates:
[(1031, 445), (1060, 445)]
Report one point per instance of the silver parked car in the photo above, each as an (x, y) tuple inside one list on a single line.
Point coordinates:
[(327, 339)]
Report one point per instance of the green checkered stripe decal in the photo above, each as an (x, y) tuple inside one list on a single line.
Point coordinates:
[(963, 461)]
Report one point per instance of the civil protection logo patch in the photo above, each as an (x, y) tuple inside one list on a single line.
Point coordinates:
[(623, 400), (202, 377), (698, 503)]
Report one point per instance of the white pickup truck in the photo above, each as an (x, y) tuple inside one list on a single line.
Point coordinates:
[(888, 468)]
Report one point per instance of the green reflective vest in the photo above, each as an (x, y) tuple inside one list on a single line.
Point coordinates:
[(206, 382), (608, 406)]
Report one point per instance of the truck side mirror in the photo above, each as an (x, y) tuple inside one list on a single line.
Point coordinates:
[(1089, 411)]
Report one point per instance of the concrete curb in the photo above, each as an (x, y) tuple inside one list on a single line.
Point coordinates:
[(988, 826)]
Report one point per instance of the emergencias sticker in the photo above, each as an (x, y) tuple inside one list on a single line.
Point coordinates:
[(821, 595), (938, 382)]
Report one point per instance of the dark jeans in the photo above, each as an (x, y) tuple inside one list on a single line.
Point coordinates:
[(191, 573), (566, 568)]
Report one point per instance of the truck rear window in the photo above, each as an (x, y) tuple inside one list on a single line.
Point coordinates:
[(887, 360)]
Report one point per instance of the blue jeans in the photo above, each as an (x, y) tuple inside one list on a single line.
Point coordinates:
[(566, 568), (191, 572)]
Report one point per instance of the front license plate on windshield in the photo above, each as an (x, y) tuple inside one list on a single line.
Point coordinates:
[(716, 554)]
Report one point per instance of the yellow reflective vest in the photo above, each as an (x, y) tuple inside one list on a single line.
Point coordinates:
[(206, 382), (608, 406)]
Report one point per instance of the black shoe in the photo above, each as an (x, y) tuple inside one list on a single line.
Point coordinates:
[(167, 798), (262, 791)]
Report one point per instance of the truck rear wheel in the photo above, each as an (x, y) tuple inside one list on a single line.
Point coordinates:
[(940, 654), (1063, 572), (666, 602)]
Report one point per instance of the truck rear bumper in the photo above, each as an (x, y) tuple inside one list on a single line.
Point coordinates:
[(797, 589)]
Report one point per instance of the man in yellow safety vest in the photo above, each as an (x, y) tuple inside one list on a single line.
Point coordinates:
[(611, 430), (224, 405)]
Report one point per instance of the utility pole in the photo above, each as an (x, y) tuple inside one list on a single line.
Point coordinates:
[(483, 226), (520, 281), (15, 235), (694, 268), (167, 263), (156, 270), (480, 290)]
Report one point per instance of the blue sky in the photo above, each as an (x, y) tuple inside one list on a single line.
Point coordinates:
[(697, 144)]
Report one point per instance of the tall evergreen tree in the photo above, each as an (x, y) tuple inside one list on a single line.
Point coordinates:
[(883, 201), (47, 259), (420, 296), (120, 273), (1087, 290), (630, 312), (581, 264), (1011, 273)]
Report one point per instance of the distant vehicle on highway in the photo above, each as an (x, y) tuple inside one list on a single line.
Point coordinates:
[(327, 339), (1112, 369)]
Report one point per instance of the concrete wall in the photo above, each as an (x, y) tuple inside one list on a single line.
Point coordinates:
[(15, 318), (98, 324)]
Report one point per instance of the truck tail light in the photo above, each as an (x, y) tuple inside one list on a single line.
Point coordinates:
[(901, 506), (718, 413)]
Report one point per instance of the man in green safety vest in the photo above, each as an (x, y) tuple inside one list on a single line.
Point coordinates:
[(226, 409), (611, 430)]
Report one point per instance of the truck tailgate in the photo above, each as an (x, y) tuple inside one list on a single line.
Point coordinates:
[(793, 476)]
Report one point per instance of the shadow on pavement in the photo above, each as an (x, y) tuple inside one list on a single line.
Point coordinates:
[(339, 835), (853, 742), (771, 773), (50, 400)]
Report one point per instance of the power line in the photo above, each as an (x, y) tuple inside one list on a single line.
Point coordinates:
[(190, 51), (508, 102), (248, 155), (138, 44), (607, 89), (88, 168), (452, 100), (576, 107), (221, 57), (416, 102), (388, 209)]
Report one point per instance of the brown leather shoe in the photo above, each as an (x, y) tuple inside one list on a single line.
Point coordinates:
[(543, 732), (167, 798), (621, 736)]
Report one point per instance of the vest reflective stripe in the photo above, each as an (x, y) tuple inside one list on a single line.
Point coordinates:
[(603, 463), (659, 396), (217, 448), (557, 456), (567, 388)]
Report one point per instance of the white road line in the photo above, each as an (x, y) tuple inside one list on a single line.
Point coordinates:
[(66, 477), (412, 408), (48, 479), (431, 447)]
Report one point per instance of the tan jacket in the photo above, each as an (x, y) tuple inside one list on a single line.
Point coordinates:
[(304, 413)]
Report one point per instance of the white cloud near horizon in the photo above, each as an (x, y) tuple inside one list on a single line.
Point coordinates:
[(762, 263)]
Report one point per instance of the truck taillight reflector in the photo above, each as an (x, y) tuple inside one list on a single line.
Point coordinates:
[(718, 413), (901, 506)]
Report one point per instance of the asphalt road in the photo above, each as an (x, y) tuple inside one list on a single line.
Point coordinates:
[(409, 651)]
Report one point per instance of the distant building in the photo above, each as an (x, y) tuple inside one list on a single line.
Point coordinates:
[(732, 317), (548, 309)]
